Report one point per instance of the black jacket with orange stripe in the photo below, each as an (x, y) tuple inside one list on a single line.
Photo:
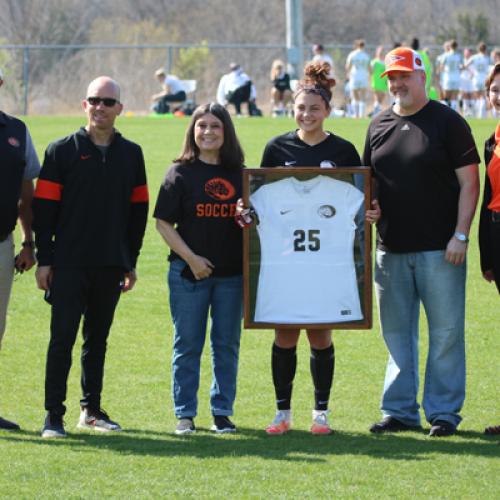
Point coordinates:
[(90, 209)]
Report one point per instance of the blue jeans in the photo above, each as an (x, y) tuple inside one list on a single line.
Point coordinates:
[(190, 304), (402, 282)]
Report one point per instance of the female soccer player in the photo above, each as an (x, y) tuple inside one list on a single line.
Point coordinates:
[(310, 145), (194, 211)]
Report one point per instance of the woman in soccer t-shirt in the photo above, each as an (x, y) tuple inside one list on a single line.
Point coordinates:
[(195, 215)]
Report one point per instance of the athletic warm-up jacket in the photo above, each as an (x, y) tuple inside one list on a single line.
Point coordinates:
[(90, 207)]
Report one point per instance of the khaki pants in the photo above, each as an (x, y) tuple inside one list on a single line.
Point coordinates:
[(6, 277)]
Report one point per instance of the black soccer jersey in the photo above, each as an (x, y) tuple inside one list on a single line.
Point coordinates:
[(288, 150), (282, 83), (201, 200), (414, 159)]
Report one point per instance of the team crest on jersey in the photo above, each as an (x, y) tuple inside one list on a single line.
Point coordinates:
[(326, 211), (219, 189), (327, 164), (13, 142)]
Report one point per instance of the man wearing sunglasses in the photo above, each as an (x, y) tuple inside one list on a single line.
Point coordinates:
[(19, 166), (90, 208)]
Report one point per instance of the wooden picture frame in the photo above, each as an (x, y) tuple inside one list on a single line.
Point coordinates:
[(330, 272)]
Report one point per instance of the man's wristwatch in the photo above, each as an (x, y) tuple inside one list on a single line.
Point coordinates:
[(461, 237), (28, 244)]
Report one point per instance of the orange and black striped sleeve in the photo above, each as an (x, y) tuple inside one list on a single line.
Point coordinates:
[(139, 205), (46, 203)]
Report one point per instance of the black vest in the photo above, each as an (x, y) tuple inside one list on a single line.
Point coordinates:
[(12, 165)]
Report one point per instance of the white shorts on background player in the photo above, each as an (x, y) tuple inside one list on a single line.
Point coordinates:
[(466, 81), (306, 230), (359, 74)]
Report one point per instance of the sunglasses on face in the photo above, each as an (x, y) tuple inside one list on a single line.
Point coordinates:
[(109, 102)]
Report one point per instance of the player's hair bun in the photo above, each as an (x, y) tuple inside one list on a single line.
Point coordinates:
[(319, 73)]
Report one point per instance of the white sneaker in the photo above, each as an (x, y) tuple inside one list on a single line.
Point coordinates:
[(281, 424), (185, 426), (320, 423), (97, 420)]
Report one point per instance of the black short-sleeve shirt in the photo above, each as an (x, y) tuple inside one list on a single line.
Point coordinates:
[(288, 150), (414, 160), (200, 199)]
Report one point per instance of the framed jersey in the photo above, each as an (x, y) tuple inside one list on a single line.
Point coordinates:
[(307, 257)]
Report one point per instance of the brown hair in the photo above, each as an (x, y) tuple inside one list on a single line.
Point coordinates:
[(489, 79), (317, 80), (230, 154)]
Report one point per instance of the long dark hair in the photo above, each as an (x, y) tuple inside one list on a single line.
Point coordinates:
[(230, 154)]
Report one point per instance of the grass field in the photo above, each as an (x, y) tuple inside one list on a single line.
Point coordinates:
[(147, 460)]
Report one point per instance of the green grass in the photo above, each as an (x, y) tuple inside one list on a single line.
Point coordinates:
[(147, 460)]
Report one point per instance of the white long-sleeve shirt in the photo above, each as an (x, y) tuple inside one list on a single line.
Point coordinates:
[(230, 82)]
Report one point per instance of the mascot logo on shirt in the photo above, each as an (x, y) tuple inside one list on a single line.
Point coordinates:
[(219, 189), (13, 142), (326, 211), (327, 164)]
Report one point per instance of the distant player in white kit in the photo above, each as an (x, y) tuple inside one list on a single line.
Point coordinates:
[(479, 65), (450, 67), (358, 71), (466, 86)]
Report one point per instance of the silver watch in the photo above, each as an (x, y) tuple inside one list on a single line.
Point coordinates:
[(461, 237)]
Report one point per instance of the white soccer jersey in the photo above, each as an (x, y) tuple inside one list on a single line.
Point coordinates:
[(306, 231), (359, 62), (451, 62), (479, 65), (324, 58)]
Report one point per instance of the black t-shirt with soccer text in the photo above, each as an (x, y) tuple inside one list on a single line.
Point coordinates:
[(200, 200)]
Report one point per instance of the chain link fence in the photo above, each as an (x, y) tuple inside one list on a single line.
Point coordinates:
[(52, 79)]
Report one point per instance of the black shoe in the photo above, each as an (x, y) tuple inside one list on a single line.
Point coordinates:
[(222, 425), (7, 425), (391, 424), (441, 428), (53, 426)]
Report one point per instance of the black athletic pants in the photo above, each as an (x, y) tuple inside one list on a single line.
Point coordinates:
[(94, 293), (162, 106), (495, 245), (241, 94)]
